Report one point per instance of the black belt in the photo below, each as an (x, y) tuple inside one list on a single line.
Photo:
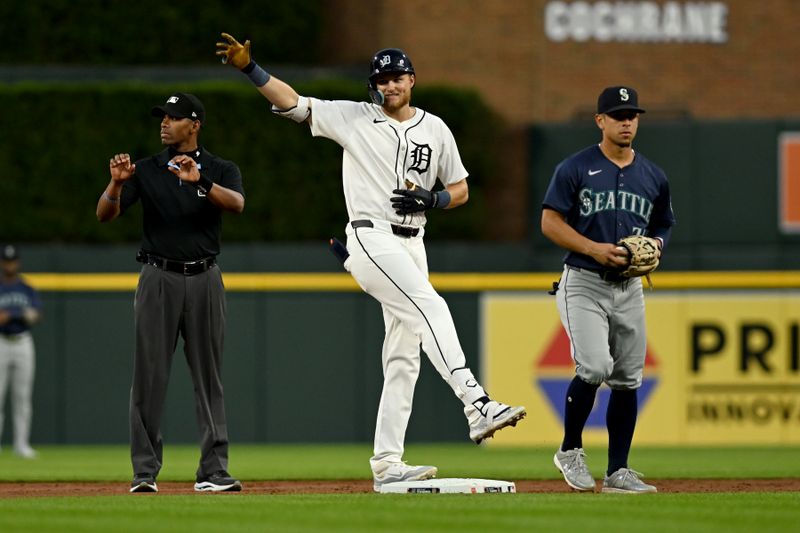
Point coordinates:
[(13, 337), (606, 275), (187, 268), (401, 231)]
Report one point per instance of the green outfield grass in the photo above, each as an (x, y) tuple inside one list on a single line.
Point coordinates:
[(350, 461), (372, 512), (709, 513)]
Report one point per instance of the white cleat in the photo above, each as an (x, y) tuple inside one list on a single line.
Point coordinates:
[(492, 416), (384, 473), (26, 452)]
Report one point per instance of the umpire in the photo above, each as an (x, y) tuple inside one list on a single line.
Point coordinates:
[(184, 190)]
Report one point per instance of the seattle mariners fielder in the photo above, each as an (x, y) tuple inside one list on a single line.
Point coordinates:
[(20, 308), (596, 197), (393, 155)]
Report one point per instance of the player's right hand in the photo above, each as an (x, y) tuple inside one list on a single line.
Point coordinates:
[(610, 255), (121, 167), (233, 52)]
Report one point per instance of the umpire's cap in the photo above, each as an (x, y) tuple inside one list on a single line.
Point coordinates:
[(9, 253), (181, 105), (389, 60), (617, 99)]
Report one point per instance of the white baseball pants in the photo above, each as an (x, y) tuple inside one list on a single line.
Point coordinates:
[(394, 271)]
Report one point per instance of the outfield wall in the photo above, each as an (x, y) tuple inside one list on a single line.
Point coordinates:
[(302, 359)]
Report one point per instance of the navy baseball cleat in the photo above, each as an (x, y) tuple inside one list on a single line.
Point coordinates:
[(144, 483), (218, 482)]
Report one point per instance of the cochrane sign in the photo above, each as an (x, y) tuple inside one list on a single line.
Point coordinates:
[(604, 21), (723, 368)]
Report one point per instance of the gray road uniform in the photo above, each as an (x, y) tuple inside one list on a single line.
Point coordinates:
[(18, 359), (603, 312)]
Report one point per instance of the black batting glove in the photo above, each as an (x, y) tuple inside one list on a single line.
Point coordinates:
[(414, 200)]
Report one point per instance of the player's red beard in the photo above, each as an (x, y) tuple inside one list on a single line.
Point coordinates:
[(396, 100)]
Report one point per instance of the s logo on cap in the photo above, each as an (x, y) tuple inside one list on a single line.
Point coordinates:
[(623, 94), (172, 100)]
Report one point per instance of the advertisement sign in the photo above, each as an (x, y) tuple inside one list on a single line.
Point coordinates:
[(789, 182), (721, 368), (648, 21)]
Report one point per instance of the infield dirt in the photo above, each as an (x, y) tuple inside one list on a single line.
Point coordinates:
[(49, 489)]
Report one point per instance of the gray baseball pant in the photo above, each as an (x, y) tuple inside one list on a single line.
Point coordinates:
[(605, 323), (17, 368)]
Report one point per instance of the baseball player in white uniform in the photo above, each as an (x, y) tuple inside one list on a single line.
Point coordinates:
[(393, 155)]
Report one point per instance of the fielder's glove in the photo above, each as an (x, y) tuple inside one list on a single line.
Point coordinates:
[(233, 52), (643, 255), (414, 199)]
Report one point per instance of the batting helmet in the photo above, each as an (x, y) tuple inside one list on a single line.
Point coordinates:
[(386, 60)]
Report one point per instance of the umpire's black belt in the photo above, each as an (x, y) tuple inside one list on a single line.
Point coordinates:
[(606, 275), (187, 268), (400, 231)]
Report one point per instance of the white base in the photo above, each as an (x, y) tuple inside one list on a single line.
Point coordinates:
[(449, 486)]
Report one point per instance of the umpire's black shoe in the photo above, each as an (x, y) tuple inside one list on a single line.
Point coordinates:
[(218, 482), (144, 483)]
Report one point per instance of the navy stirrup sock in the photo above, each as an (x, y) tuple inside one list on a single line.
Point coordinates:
[(621, 421), (579, 403)]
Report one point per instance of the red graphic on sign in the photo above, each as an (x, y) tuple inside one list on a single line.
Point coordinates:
[(558, 354), (555, 370)]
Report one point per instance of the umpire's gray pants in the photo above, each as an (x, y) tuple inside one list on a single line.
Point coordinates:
[(166, 305)]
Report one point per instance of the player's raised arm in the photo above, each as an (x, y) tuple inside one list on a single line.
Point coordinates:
[(284, 99)]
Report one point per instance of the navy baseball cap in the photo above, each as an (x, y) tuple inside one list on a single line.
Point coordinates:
[(618, 98), (9, 253), (181, 105)]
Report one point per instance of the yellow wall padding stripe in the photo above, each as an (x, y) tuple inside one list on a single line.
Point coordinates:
[(446, 282)]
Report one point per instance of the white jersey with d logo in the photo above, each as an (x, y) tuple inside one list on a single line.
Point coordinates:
[(380, 153)]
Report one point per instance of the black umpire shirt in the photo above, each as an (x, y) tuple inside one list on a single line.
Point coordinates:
[(178, 221)]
